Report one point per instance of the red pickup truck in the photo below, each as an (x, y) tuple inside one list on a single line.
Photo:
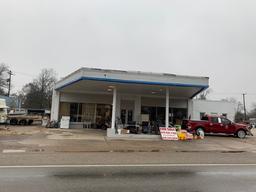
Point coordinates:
[(216, 124)]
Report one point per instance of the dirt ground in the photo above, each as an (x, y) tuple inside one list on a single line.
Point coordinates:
[(39, 139)]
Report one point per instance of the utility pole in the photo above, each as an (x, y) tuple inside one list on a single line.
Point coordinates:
[(245, 116), (9, 80)]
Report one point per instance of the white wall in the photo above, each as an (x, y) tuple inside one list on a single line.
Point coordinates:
[(209, 107)]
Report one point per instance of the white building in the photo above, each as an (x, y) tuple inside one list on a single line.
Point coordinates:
[(197, 108), (93, 97)]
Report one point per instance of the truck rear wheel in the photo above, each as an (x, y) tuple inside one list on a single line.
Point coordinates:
[(198, 130), (241, 134)]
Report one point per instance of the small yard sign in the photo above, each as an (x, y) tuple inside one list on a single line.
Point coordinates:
[(168, 133)]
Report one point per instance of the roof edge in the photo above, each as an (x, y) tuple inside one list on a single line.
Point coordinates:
[(84, 69), (134, 82), (139, 72)]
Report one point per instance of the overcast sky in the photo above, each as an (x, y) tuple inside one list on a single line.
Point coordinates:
[(214, 38)]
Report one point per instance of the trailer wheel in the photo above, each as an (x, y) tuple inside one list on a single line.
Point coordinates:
[(30, 122), (13, 122), (23, 122)]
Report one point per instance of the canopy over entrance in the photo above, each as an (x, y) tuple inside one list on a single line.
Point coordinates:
[(89, 80)]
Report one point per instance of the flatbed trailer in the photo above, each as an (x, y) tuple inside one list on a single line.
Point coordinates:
[(23, 119)]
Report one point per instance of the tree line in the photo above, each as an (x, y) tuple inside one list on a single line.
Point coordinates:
[(36, 94)]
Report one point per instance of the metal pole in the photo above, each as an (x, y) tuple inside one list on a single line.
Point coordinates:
[(113, 109), (245, 115), (167, 108), (9, 80)]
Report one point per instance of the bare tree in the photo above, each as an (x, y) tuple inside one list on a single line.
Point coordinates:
[(3, 78), (239, 105), (239, 116), (252, 113), (203, 95), (38, 93), (230, 99)]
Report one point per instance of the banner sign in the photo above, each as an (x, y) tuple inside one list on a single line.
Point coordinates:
[(169, 134)]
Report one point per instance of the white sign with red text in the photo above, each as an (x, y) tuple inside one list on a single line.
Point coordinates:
[(169, 134)]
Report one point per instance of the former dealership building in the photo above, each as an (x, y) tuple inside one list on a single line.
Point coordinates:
[(98, 97)]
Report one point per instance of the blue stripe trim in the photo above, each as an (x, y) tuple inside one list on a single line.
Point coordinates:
[(132, 82), (67, 84)]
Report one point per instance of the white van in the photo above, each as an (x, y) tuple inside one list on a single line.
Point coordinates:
[(3, 111)]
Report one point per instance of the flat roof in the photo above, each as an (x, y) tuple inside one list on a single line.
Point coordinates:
[(132, 72), (134, 77)]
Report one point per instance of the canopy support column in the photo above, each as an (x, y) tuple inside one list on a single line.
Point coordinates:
[(167, 106), (113, 109)]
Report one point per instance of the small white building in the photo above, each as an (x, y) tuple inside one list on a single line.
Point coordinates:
[(197, 108), (97, 97)]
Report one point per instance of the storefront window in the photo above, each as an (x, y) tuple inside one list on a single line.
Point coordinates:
[(160, 111), (98, 114), (157, 114), (178, 115), (130, 115), (88, 112), (103, 118), (123, 116), (75, 112)]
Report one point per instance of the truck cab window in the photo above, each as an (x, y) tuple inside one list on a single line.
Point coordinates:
[(202, 115), (204, 118), (225, 121), (215, 120)]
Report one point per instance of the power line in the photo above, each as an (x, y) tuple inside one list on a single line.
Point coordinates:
[(230, 93), (25, 74)]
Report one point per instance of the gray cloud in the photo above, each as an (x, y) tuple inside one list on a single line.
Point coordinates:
[(207, 38)]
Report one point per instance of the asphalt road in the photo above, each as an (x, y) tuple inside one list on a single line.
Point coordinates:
[(185, 178), (182, 157)]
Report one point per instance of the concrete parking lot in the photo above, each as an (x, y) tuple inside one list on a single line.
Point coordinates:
[(37, 138), (35, 145)]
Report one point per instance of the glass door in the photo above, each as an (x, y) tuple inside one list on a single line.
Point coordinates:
[(126, 116)]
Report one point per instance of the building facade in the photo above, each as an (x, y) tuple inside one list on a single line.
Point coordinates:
[(98, 97)]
